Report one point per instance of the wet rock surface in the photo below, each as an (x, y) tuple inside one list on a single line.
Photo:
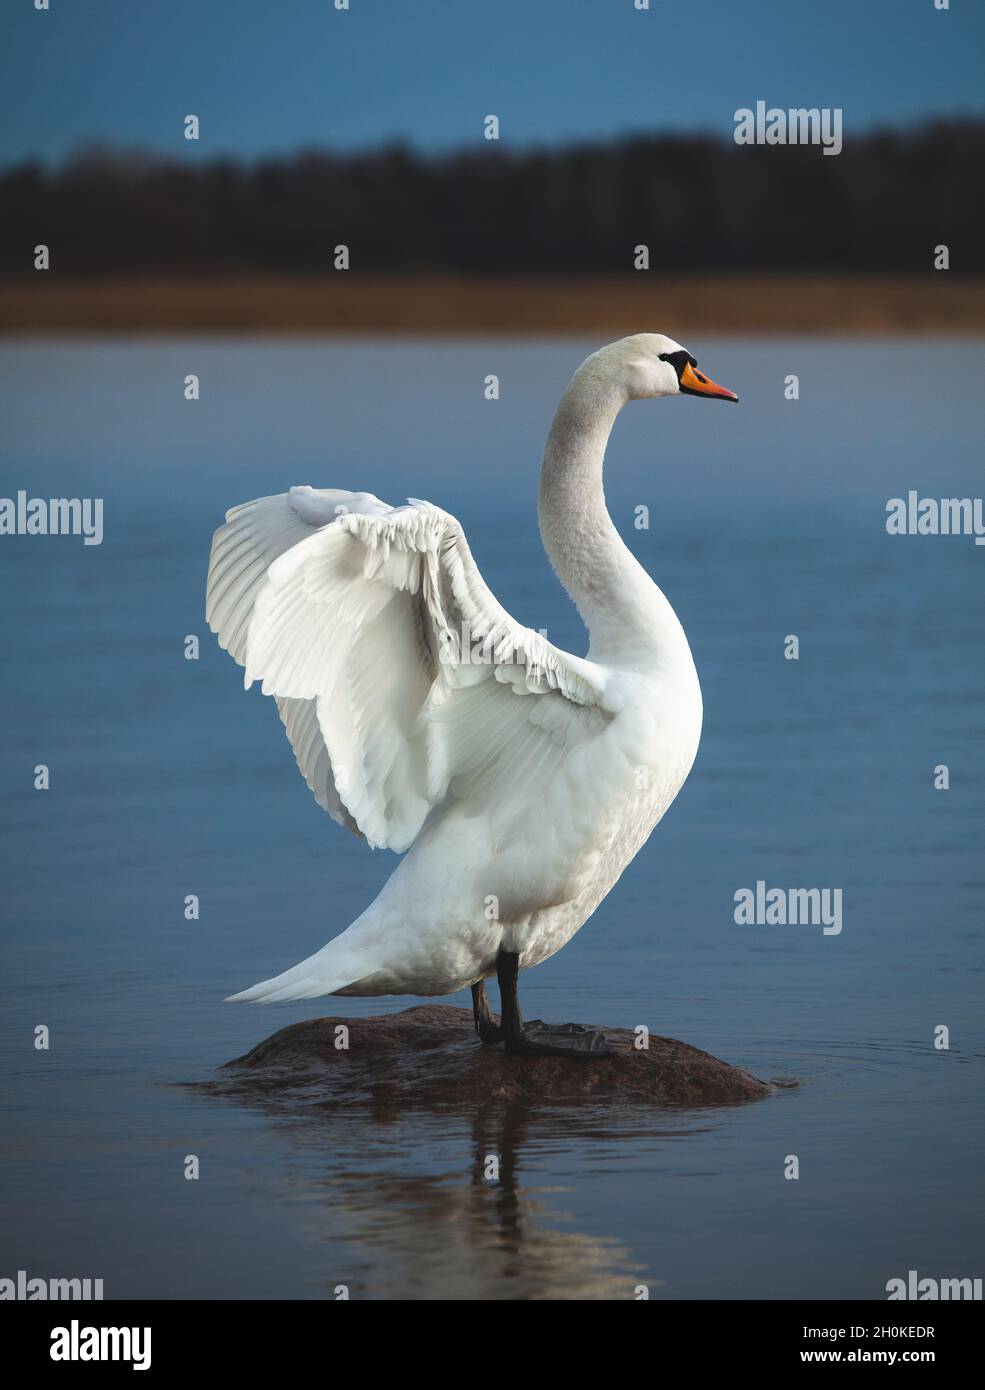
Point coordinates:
[(430, 1056)]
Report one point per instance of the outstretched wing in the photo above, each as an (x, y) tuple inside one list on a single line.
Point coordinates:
[(401, 681), (254, 535)]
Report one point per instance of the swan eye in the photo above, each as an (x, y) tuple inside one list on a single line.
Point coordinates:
[(679, 360)]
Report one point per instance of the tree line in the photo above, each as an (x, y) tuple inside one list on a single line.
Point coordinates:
[(696, 203)]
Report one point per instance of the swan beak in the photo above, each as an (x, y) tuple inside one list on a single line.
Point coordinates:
[(694, 383)]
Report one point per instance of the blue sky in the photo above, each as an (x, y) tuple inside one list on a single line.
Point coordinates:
[(273, 75)]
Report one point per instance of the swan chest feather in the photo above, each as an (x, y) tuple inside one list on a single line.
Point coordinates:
[(648, 751), (525, 871)]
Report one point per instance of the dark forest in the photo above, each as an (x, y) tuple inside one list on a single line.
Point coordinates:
[(698, 204)]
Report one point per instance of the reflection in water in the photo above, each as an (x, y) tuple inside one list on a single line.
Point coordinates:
[(400, 1221), (448, 1236)]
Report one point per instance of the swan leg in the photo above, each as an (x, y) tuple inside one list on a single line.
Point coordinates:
[(537, 1039), (485, 1025)]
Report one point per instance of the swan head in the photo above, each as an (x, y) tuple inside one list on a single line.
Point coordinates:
[(650, 364)]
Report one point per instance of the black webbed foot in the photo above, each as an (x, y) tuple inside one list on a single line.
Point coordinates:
[(489, 1033), (573, 1040)]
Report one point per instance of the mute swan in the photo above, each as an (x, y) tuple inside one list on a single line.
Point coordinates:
[(521, 778)]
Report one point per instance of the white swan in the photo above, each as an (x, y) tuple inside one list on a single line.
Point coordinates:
[(523, 779)]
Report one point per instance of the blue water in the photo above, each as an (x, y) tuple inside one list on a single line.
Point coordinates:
[(166, 780)]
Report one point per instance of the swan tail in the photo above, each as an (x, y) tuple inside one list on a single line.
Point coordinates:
[(326, 972), (275, 991)]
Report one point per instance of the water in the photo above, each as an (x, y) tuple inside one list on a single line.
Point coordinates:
[(166, 780)]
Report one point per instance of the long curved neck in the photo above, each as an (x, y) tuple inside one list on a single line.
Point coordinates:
[(626, 614)]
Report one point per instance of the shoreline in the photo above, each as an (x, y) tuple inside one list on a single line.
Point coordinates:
[(937, 302)]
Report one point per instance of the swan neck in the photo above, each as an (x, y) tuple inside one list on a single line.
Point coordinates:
[(630, 622), (609, 588)]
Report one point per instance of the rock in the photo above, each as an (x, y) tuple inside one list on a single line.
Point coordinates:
[(429, 1056)]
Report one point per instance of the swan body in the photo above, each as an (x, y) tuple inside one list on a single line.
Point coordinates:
[(520, 779)]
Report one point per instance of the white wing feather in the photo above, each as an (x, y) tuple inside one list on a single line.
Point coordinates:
[(363, 621)]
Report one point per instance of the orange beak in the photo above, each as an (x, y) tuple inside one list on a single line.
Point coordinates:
[(695, 383)]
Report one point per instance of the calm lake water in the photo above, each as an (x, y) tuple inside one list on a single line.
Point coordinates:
[(166, 779)]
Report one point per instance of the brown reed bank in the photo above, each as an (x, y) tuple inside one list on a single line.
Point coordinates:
[(347, 303)]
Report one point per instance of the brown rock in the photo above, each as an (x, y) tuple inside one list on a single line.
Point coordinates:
[(429, 1056)]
